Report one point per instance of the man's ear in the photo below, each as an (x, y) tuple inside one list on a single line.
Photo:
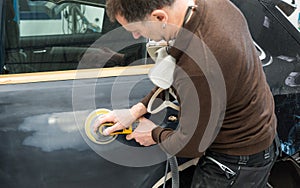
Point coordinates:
[(159, 15)]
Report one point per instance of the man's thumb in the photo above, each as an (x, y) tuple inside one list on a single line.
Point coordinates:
[(129, 137)]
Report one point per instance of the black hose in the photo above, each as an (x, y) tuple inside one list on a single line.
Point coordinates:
[(174, 172)]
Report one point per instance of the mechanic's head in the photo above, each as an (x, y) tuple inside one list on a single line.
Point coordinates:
[(134, 10), (154, 19)]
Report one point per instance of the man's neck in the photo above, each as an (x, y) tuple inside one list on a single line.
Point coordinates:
[(176, 16)]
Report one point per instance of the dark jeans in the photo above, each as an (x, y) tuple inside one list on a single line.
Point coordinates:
[(218, 170)]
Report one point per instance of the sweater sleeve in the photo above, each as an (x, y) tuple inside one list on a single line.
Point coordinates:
[(194, 95)]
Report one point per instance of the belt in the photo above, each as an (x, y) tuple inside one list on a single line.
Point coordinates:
[(247, 159)]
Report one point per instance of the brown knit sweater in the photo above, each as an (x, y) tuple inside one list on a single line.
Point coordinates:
[(246, 114)]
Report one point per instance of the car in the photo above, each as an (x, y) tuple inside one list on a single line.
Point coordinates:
[(63, 59)]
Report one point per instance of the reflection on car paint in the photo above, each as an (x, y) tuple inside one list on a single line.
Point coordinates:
[(57, 131), (266, 60), (293, 80)]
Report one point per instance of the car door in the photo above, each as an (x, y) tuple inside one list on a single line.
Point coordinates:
[(53, 79)]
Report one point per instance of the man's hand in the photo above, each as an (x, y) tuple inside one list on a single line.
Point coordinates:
[(121, 118), (143, 133)]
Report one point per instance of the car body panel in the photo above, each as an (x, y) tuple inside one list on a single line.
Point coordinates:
[(42, 143)]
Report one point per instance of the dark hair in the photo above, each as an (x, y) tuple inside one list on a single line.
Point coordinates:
[(134, 10)]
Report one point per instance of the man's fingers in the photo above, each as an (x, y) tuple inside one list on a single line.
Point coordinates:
[(129, 137), (142, 119), (100, 120), (113, 128)]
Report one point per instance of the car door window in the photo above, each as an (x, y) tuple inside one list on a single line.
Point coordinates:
[(46, 18), (44, 36)]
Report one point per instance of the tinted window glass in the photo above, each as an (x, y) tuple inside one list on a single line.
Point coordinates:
[(46, 18), (44, 36)]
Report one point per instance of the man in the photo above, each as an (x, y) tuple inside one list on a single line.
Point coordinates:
[(226, 107)]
